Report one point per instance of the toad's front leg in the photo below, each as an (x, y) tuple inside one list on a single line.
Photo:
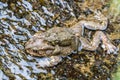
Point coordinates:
[(99, 37)]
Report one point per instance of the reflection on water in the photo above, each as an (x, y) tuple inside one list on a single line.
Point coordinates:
[(19, 20)]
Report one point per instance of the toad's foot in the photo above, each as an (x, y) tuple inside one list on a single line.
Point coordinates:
[(107, 45), (98, 37), (100, 22), (50, 61), (54, 60), (110, 48)]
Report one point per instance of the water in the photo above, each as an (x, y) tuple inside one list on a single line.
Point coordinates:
[(19, 20)]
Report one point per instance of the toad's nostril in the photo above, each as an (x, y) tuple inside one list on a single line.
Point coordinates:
[(35, 51)]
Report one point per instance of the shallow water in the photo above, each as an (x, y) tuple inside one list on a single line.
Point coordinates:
[(19, 20)]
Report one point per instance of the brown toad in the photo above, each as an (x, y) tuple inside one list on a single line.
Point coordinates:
[(60, 41)]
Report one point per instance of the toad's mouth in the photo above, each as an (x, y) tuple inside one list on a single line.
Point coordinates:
[(40, 53)]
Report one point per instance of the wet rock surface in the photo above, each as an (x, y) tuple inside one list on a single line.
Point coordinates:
[(20, 19)]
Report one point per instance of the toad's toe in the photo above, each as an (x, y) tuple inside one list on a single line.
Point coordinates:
[(49, 61), (54, 60), (110, 48)]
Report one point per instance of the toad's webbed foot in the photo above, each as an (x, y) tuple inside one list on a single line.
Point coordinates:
[(97, 39), (107, 45), (49, 61), (110, 48)]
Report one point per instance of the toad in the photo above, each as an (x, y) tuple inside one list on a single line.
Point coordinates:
[(61, 41)]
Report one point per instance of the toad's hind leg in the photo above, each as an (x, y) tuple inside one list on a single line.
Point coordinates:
[(97, 38)]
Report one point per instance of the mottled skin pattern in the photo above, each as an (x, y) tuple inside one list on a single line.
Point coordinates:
[(55, 41), (60, 41)]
